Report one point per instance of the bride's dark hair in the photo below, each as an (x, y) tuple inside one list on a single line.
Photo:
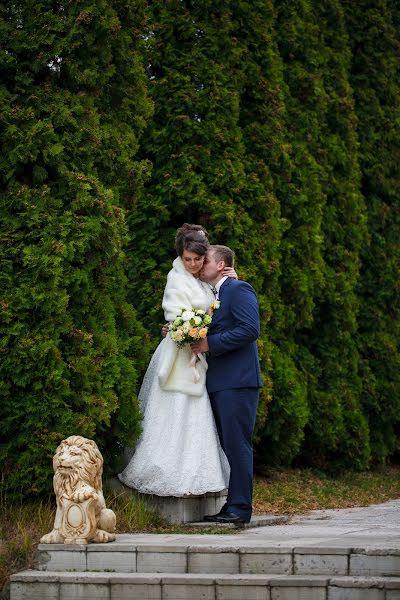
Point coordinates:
[(191, 237)]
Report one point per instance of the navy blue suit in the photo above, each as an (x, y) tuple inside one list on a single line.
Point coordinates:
[(233, 382)]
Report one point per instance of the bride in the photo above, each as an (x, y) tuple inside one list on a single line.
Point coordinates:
[(179, 452)]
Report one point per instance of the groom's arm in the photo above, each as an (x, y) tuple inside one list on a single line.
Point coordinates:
[(246, 329)]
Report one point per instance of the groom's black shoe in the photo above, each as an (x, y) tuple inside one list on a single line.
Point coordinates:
[(229, 517), (213, 518)]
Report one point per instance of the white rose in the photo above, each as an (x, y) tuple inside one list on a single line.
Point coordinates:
[(187, 315), (186, 326), (197, 320), (200, 312)]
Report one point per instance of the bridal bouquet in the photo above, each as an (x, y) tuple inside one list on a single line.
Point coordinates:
[(189, 326)]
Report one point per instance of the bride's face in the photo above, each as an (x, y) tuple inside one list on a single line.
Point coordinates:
[(192, 262)]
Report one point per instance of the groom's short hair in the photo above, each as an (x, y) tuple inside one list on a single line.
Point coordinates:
[(223, 253)]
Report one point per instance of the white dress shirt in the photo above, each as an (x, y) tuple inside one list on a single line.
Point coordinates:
[(218, 286)]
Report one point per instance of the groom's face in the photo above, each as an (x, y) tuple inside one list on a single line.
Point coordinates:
[(212, 270)]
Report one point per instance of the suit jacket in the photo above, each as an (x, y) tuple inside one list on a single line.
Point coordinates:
[(233, 357)]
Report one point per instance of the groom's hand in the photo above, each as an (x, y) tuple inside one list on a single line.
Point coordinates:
[(200, 346)]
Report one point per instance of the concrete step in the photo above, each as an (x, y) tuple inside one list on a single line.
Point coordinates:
[(130, 554), (41, 585)]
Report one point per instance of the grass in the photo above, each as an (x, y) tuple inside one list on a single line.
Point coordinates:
[(21, 526), (133, 515), (282, 492), (297, 491)]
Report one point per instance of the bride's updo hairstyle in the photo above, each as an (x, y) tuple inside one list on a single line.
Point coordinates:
[(193, 238)]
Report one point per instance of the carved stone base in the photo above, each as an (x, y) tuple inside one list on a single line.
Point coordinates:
[(78, 524)]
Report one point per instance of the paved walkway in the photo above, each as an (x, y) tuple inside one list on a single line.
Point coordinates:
[(376, 526)]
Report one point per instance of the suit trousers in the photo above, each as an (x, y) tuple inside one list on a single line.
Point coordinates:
[(235, 416)]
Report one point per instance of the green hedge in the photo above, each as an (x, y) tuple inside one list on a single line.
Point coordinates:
[(375, 43), (276, 126), (72, 104), (257, 135)]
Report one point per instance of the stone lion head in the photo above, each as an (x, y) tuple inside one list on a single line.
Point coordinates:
[(77, 460)]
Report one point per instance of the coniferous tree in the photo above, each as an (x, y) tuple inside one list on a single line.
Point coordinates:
[(72, 104), (326, 217), (263, 121), (374, 34), (302, 203), (333, 336)]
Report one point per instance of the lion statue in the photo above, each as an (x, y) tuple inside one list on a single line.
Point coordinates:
[(81, 515)]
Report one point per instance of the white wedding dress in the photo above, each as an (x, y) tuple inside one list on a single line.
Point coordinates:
[(179, 452)]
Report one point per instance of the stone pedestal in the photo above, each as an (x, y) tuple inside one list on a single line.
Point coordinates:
[(180, 510), (190, 508)]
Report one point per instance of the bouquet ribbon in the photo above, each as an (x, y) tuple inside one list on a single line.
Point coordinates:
[(192, 364)]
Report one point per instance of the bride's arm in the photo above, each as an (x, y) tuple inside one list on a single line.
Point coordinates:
[(230, 272), (176, 297), (171, 305)]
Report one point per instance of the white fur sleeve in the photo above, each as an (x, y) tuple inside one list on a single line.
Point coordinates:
[(176, 296)]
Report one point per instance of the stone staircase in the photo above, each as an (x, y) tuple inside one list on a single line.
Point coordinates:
[(205, 567)]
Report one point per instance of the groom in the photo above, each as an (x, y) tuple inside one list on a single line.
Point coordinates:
[(233, 378)]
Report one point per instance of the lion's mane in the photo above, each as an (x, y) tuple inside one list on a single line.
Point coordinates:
[(90, 471)]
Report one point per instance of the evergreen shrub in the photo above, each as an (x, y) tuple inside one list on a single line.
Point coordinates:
[(72, 104)]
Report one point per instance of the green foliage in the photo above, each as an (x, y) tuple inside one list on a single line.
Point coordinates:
[(374, 35), (276, 126), (207, 88), (73, 102), (281, 437), (256, 135), (316, 68)]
